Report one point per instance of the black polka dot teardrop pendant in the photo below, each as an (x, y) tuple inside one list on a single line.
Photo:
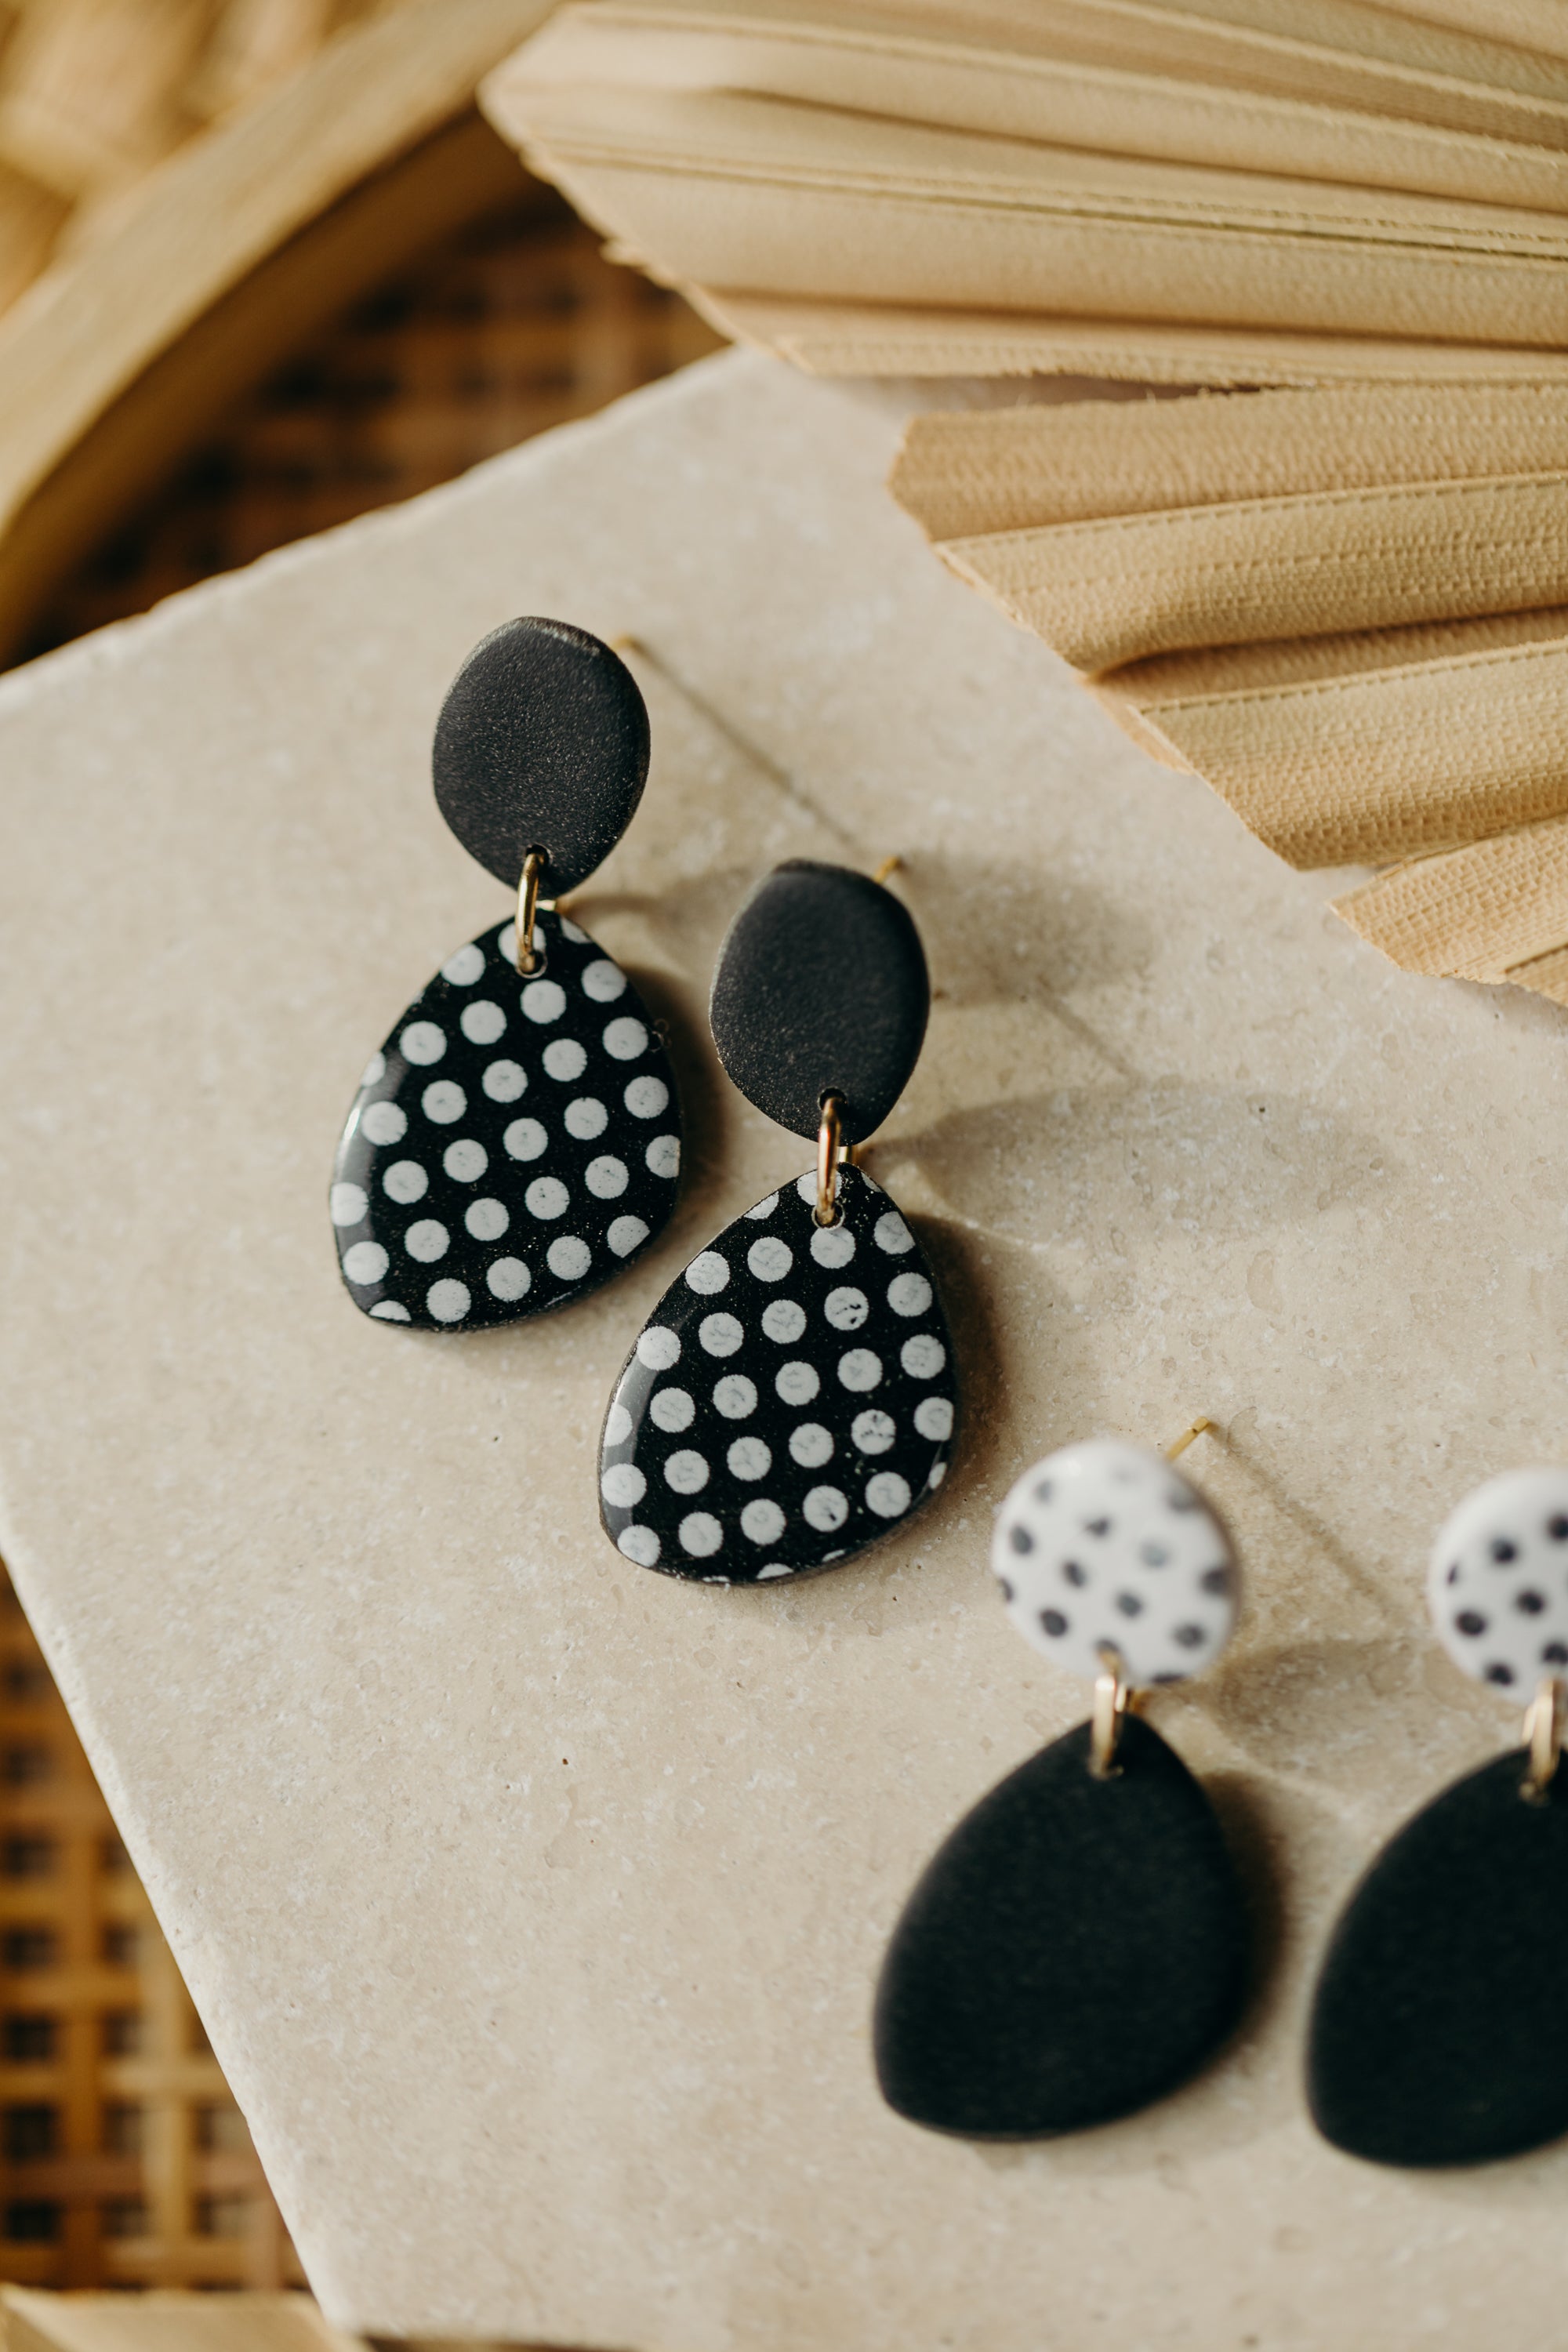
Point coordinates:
[(1076, 1949), (514, 1143), (790, 1400), (1439, 2033), (517, 1139)]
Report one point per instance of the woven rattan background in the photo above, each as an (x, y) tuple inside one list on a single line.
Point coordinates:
[(517, 324), (125, 2161)]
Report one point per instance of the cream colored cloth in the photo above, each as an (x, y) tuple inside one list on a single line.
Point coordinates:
[(1326, 166), (848, 339), (1347, 609), (1343, 600)]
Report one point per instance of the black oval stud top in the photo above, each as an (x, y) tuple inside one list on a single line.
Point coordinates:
[(542, 744), (821, 988)]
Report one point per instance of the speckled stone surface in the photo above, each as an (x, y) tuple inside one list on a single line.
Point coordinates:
[(534, 1903)]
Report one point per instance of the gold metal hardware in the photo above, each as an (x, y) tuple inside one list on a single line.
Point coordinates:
[(527, 909), (1113, 1697), (1111, 1700), (832, 1154), (1543, 1726)]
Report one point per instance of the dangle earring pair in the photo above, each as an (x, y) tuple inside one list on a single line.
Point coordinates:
[(516, 1141), (1076, 1948)]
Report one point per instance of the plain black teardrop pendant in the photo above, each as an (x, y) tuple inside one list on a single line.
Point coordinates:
[(1073, 1952), (1439, 2032)]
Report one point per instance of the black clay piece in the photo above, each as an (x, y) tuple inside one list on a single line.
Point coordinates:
[(1073, 1952), (514, 1143), (541, 744), (821, 988), (1439, 2032), (790, 1400)]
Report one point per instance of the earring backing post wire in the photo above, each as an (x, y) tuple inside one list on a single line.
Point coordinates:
[(832, 1154), (1110, 1699), (1112, 1694), (1543, 1729), (527, 909), (889, 866)]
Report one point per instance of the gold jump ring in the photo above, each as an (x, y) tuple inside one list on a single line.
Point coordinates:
[(527, 907), (1543, 1737), (830, 1158), (1111, 1697)]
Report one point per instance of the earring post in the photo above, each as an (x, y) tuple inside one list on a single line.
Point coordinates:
[(1193, 1430)]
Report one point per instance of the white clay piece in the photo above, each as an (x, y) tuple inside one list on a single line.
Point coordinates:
[(1106, 1544)]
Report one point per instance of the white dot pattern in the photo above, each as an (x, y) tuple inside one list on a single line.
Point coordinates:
[(781, 1383), (1498, 1586), (453, 1205), (1106, 1544)]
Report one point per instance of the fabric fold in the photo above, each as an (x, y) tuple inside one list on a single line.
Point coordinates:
[(1336, 585), (1329, 119), (1493, 910), (1106, 592), (753, 193), (889, 338)]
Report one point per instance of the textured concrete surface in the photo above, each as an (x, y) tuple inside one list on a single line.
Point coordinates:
[(534, 1902)]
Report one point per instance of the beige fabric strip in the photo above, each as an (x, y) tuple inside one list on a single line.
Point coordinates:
[(1015, 469), (1362, 769), (705, 134), (1108, 593), (1301, 661), (1532, 24), (861, 338), (914, 246), (1317, 57), (1338, 663), (863, 60), (1547, 974), (1489, 912), (1255, 42)]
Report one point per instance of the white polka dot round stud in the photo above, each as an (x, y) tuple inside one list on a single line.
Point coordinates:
[(517, 1139), (792, 1400), (1076, 1948), (1439, 2032)]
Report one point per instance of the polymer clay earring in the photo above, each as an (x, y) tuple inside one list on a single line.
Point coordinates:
[(517, 1139), (1439, 2030), (792, 1398), (1076, 1949)]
